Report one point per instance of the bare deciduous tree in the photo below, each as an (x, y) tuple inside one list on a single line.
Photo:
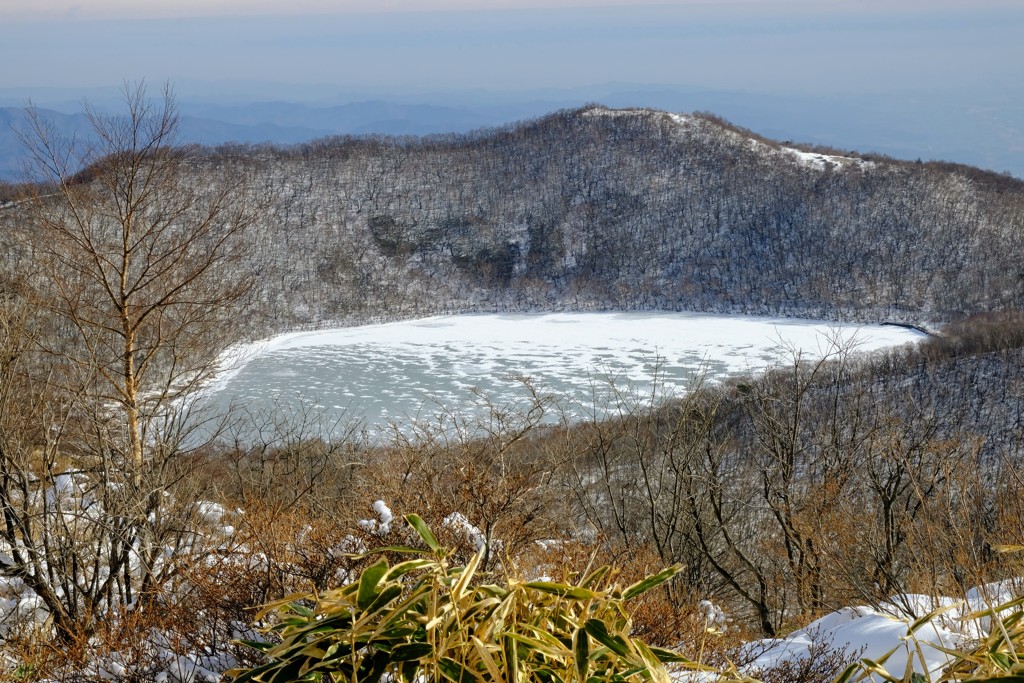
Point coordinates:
[(137, 269)]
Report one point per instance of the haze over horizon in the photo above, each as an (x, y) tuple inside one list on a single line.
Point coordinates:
[(942, 78)]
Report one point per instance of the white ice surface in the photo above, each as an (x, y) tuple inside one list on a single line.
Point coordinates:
[(395, 369)]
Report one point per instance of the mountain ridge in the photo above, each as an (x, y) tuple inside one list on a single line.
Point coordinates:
[(635, 209), (638, 209)]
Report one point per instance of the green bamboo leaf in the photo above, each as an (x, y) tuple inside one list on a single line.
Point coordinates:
[(493, 591), (581, 651), (549, 675), (260, 645), (595, 576), (368, 581), (654, 669), (544, 634), (400, 549), (301, 610), (239, 676), (385, 597), (650, 582), (424, 532), (872, 665), (373, 667), (599, 631), (511, 651), (536, 644), (336, 651), (671, 656), (847, 674), (409, 672), (488, 660), (456, 672), (459, 589), (287, 602), (408, 652), (287, 671), (562, 590), (395, 633), (406, 566), (1001, 660), (402, 615)]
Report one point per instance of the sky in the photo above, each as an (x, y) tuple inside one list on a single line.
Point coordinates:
[(950, 65), (773, 45), (114, 9)]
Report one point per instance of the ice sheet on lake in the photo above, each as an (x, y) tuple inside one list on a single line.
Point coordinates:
[(402, 369)]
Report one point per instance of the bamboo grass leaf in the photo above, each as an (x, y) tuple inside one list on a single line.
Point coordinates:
[(456, 672), (459, 589), (384, 598), (424, 532), (666, 656), (422, 620), (847, 674), (368, 582), (562, 590), (534, 644), (373, 667), (488, 660), (1001, 660), (874, 666), (581, 651), (401, 549), (408, 652), (408, 671), (654, 667), (289, 601), (926, 619), (650, 582), (599, 631), (511, 650), (261, 645), (406, 566), (594, 577)]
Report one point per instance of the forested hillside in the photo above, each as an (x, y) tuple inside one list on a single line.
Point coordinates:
[(625, 209), (636, 209)]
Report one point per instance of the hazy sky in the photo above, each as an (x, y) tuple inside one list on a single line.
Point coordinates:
[(767, 45), (107, 9)]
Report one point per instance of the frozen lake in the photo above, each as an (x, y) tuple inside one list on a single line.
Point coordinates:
[(403, 369)]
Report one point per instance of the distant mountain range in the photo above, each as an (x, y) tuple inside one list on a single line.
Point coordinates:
[(282, 123), (987, 134)]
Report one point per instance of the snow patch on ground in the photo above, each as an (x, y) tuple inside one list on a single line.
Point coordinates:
[(825, 161), (872, 633), (813, 160)]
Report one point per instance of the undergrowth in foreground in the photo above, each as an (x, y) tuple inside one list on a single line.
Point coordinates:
[(424, 620)]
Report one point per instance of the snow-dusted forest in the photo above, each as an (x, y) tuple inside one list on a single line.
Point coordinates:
[(635, 209)]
